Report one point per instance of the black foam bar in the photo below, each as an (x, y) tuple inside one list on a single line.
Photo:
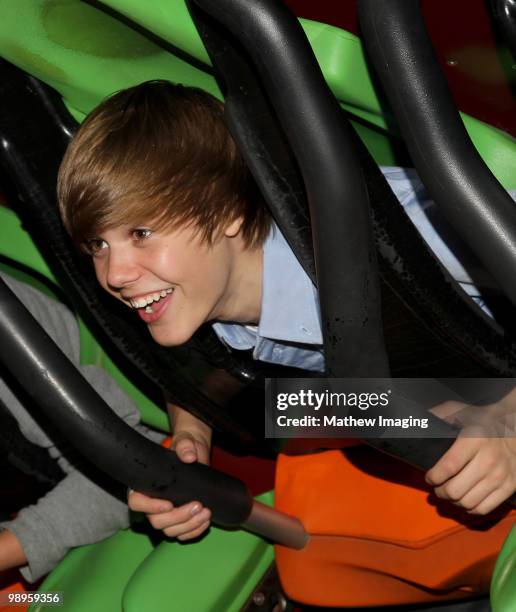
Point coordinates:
[(457, 178), (504, 13), (69, 401), (322, 143)]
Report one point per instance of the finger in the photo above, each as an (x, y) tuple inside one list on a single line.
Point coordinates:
[(195, 533), (186, 449), (177, 516), (478, 494), (138, 502), (493, 500), (195, 523), (455, 488), (453, 461)]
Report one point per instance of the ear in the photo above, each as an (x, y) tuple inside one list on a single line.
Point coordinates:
[(231, 230)]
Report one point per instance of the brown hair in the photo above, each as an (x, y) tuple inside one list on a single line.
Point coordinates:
[(158, 152)]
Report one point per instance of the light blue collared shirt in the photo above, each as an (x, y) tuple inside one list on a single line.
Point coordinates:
[(289, 332), (443, 241)]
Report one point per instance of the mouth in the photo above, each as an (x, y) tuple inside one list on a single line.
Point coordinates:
[(150, 307)]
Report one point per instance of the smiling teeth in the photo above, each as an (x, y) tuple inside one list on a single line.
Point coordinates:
[(147, 300)]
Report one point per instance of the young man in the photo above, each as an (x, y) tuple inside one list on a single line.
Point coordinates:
[(78, 510), (153, 188)]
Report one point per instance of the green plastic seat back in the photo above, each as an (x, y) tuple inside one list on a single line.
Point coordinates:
[(503, 584)]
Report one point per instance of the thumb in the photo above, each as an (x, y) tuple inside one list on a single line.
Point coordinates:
[(185, 448)]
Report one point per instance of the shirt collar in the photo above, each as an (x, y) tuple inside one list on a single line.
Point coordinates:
[(290, 308)]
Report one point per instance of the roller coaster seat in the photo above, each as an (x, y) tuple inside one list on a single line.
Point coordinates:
[(338, 565)]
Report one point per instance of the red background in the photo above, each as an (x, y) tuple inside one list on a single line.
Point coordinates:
[(462, 31)]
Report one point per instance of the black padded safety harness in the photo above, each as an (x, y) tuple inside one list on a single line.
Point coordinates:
[(247, 43), (457, 178)]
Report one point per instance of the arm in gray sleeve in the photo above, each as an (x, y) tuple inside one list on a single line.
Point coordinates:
[(81, 509), (75, 512)]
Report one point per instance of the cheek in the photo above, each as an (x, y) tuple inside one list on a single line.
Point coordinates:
[(209, 277)]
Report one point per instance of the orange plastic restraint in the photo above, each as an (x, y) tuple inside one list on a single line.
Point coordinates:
[(378, 536)]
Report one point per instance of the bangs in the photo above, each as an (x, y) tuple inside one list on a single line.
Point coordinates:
[(158, 154)]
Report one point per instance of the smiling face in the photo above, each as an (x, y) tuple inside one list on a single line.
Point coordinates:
[(175, 281)]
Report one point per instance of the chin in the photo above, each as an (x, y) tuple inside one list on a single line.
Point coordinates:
[(168, 339)]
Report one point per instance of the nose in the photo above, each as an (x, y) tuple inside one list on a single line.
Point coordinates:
[(122, 269)]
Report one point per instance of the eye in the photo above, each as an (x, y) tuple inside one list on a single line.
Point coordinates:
[(141, 233), (95, 246)]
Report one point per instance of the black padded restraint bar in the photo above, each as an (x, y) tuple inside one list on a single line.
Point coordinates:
[(455, 175), (504, 13), (337, 197), (75, 408), (322, 143), (90, 425)]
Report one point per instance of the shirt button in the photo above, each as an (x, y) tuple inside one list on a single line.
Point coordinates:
[(305, 330)]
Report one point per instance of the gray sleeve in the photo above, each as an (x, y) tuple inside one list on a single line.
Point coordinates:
[(77, 511)]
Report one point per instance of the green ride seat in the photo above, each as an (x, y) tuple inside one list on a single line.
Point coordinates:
[(85, 53), (127, 572), (503, 584)]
